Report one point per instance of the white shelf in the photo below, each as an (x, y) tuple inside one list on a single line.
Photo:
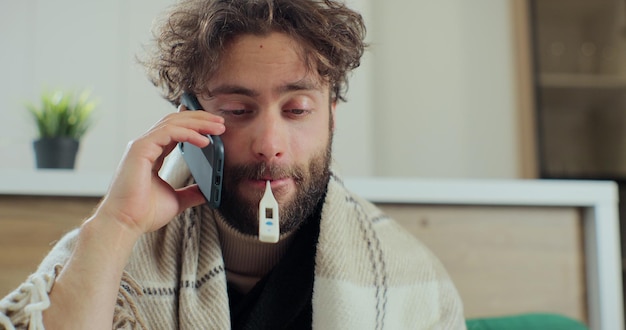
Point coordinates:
[(485, 192), (570, 80), (51, 182)]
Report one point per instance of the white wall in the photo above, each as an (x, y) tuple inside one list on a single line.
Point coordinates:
[(433, 97), (443, 80), (353, 141), (76, 44)]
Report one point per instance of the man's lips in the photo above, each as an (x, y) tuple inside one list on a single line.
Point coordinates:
[(274, 183)]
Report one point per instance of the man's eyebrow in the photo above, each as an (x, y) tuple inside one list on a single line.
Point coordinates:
[(232, 89), (302, 85)]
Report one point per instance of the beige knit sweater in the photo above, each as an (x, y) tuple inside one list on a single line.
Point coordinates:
[(369, 274)]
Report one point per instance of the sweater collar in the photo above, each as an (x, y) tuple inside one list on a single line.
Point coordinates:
[(247, 259)]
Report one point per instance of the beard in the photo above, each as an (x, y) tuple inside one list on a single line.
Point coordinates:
[(311, 184)]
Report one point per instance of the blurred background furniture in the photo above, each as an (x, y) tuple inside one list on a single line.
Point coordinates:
[(511, 246)]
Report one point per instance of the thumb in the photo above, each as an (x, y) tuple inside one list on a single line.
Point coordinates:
[(189, 196)]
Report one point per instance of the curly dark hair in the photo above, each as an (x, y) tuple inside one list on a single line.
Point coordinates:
[(194, 33)]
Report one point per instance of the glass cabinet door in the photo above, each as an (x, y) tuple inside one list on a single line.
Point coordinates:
[(580, 80)]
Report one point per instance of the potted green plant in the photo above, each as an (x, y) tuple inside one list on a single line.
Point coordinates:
[(62, 119)]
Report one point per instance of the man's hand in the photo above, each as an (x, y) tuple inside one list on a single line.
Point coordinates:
[(138, 201), (138, 197)]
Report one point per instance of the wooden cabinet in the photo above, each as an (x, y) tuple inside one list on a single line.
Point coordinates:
[(505, 260), (29, 227)]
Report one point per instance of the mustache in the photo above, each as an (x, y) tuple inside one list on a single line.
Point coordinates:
[(262, 171)]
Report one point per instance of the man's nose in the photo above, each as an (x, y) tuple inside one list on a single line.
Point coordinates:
[(270, 137)]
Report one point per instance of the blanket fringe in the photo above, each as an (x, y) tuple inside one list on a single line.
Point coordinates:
[(26, 304), (127, 314), (24, 307)]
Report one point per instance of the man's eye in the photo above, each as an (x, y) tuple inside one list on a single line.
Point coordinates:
[(297, 112), (236, 112)]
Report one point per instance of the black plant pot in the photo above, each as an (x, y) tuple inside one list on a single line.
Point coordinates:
[(57, 152)]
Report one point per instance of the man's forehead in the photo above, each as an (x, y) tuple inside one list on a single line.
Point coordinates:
[(271, 62)]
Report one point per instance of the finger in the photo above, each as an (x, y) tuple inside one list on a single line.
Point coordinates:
[(202, 142), (156, 167), (189, 196), (202, 115), (212, 127), (170, 147), (200, 121), (163, 137), (157, 144)]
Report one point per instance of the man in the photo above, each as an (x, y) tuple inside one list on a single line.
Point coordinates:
[(154, 256)]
